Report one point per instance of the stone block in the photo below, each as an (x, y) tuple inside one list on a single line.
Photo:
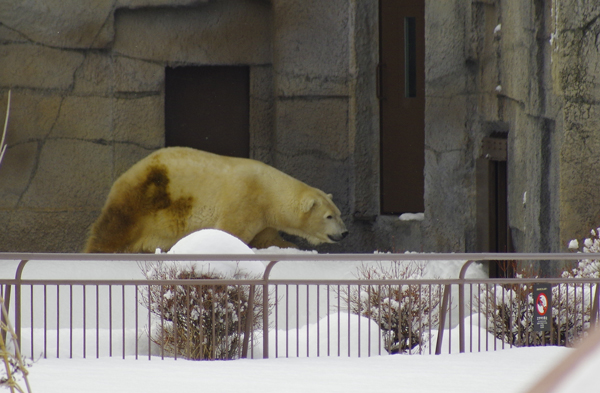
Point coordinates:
[(9, 36), (311, 47), (88, 118), (32, 116), (15, 172), (132, 75), (233, 32), (445, 55), (262, 113), (38, 67), (71, 174), (95, 76), (45, 231), (61, 23), (140, 121), (315, 126), (445, 119)]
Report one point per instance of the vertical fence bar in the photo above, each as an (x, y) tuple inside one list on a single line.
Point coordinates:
[(297, 320), (188, 341), (287, 319), (45, 322), (318, 321), (123, 317), (339, 340), (136, 288), (276, 321), (32, 324), (358, 312), (57, 321), (307, 321), (71, 321), (429, 319), (328, 323), (349, 313), (84, 322), (110, 321)]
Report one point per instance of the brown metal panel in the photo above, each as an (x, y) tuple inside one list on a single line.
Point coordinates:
[(402, 90), (207, 108)]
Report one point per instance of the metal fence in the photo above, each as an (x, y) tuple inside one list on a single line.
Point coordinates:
[(201, 318)]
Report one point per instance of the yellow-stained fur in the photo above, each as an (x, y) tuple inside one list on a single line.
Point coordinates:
[(176, 191)]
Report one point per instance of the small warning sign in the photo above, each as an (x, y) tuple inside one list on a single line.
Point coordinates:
[(542, 307)]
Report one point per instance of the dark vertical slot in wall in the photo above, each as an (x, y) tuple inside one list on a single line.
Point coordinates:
[(410, 56), (402, 103), (208, 108)]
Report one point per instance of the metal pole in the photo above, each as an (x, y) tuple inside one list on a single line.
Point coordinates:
[(442, 322), (461, 307)]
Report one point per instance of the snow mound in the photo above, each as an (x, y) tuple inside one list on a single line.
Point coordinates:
[(213, 241)]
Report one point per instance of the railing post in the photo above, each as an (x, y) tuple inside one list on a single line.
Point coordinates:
[(461, 307), (18, 301), (442, 321), (594, 316), (266, 309), (249, 321)]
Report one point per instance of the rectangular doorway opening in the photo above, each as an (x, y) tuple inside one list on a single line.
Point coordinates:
[(208, 108)]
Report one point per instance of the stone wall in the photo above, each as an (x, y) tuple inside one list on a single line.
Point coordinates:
[(87, 86), (88, 101)]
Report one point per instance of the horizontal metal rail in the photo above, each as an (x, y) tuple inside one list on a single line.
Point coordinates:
[(267, 283)]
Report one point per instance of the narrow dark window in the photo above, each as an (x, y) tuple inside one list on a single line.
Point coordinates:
[(208, 108), (410, 56)]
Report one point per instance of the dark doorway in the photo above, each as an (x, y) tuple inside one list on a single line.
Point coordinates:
[(402, 102), (208, 108), (492, 204)]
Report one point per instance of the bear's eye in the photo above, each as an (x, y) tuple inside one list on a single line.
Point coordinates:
[(330, 217)]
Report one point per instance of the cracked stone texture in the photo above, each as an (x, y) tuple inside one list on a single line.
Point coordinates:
[(235, 32), (60, 23), (576, 78), (88, 101), (38, 67), (88, 87), (312, 47)]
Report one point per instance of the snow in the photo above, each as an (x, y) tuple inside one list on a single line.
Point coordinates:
[(504, 370), (501, 371), (412, 217)]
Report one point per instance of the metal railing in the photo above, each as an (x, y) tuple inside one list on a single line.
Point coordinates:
[(263, 317)]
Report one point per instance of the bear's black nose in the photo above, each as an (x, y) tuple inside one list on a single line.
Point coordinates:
[(339, 237)]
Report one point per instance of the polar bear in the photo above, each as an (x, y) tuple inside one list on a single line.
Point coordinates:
[(178, 190)]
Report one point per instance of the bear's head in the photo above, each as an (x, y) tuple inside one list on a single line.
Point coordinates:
[(321, 219)]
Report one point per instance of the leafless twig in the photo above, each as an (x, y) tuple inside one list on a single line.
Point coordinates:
[(2, 145)]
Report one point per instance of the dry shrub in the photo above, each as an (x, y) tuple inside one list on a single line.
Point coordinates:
[(406, 314), (199, 321), (509, 310)]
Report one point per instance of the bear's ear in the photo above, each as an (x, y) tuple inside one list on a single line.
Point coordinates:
[(307, 204), (330, 196)]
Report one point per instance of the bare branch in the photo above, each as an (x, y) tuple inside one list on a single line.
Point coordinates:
[(2, 145)]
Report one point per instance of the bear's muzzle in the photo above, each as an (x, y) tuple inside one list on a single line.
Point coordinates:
[(337, 238)]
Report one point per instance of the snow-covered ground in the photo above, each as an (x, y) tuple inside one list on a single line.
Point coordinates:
[(508, 370)]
